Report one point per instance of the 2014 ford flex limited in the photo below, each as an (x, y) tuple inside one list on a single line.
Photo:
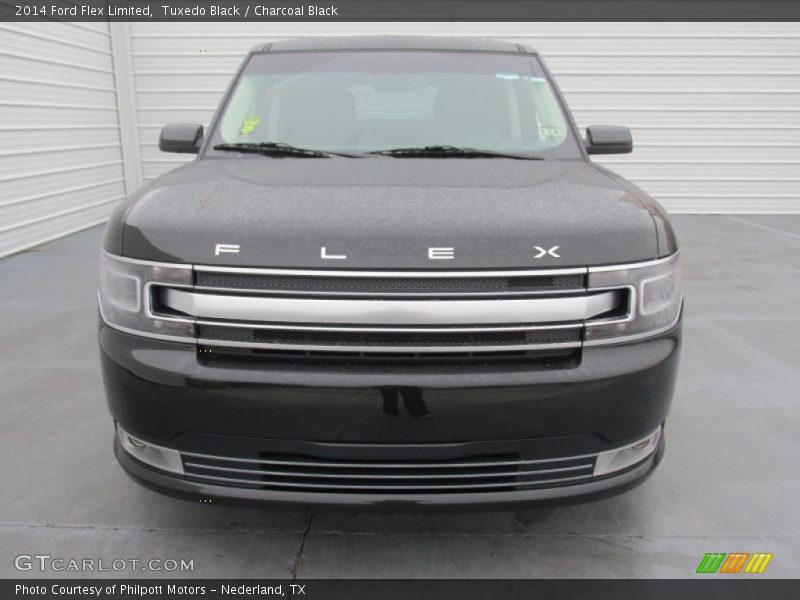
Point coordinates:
[(392, 276)]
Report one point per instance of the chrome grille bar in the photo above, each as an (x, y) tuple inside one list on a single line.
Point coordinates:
[(190, 465), (388, 274), (468, 464), (398, 487), (389, 349), (379, 329), (391, 312), (460, 474)]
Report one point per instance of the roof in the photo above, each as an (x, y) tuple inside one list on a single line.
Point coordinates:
[(391, 42)]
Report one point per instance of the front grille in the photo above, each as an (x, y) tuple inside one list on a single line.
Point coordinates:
[(309, 473), (378, 339), (383, 285), (534, 315)]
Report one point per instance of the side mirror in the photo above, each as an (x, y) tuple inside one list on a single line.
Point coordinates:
[(183, 138), (608, 139)]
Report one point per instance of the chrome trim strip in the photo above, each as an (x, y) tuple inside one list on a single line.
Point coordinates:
[(485, 475), (514, 484), (152, 336), (377, 274), (391, 312), (325, 328), (392, 465), (149, 263), (634, 265), (380, 294), (387, 349), (388, 274)]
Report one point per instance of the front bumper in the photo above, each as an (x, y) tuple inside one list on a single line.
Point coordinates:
[(219, 494), (164, 394)]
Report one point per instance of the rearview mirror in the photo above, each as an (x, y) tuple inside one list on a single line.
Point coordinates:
[(183, 138), (608, 139)]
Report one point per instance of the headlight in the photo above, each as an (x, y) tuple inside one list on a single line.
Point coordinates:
[(126, 300), (655, 300)]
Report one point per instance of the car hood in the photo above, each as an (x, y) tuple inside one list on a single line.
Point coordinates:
[(387, 213)]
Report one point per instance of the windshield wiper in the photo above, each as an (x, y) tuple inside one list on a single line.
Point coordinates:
[(279, 149), (452, 151)]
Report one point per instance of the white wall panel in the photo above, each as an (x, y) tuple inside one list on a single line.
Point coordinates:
[(60, 161), (714, 107)]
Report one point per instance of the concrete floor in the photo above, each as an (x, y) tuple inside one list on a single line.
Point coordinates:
[(729, 482)]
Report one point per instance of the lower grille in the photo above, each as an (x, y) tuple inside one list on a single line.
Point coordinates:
[(377, 340), (306, 473), (568, 358)]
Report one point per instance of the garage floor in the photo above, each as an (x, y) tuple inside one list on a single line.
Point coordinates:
[(730, 480)]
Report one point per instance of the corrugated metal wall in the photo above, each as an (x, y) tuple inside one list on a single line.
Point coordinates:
[(60, 162), (714, 107)]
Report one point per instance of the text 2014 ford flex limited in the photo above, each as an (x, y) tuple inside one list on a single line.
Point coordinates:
[(392, 276)]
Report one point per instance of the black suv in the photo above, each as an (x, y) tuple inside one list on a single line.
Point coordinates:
[(392, 276)]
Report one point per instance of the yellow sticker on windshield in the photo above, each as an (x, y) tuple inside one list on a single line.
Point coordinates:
[(249, 125)]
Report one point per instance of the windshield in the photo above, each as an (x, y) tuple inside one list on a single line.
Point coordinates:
[(358, 102)]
